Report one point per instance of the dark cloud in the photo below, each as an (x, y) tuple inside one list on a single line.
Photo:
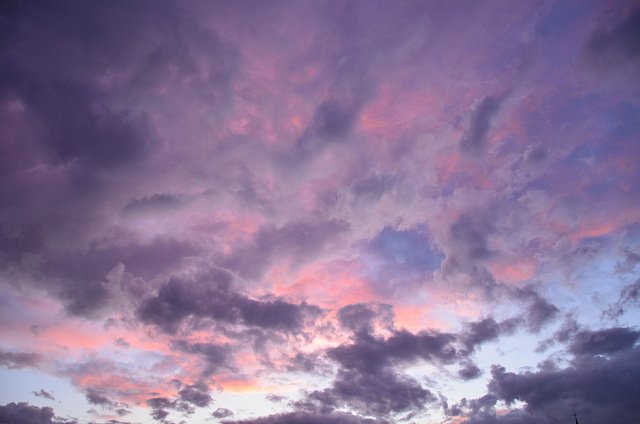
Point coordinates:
[(371, 188), (481, 407), (539, 311), (369, 354), (43, 393), (615, 46), (154, 48), (333, 119), (52, 29), (196, 394), (469, 372), (221, 413), (145, 260), (275, 398), (605, 341), (215, 356), (469, 243), (367, 381), (475, 139), (629, 295), (360, 317), (187, 399), (160, 403), (535, 154), (95, 397), (477, 333), (310, 418), (36, 329), (305, 362), (600, 386), (14, 242), (178, 299), (213, 297), (114, 113), (81, 127), (379, 393), (629, 261), (82, 276), (159, 414), (81, 78), (357, 317), (122, 412), (19, 360), (121, 342), (155, 202), (23, 413), (568, 329)]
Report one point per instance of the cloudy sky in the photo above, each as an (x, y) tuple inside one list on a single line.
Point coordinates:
[(304, 212)]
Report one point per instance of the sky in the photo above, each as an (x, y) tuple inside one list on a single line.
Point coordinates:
[(305, 212)]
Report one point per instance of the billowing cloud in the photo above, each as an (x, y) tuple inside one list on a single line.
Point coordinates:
[(360, 317), (196, 394), (213, 296), (23, 413), (469, 372), (378, 393), (593, 383), (605, 341)]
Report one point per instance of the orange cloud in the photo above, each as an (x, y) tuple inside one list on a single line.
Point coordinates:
[(513, 270), (250, 386), (335, 284), (126, 387), (415, 317), (393, 111), (597, 226)]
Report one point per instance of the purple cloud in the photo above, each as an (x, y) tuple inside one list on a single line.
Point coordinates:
[(43, 393), (23, 413), (13, 360), (593, 383), (304, 417), (326, 211)]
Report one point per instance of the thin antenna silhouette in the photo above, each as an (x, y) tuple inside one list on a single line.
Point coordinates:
[(575, 416)]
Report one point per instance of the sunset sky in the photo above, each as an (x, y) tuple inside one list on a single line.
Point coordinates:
[(320, 212)]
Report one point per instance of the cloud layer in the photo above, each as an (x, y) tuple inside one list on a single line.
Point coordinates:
[(319, 212)]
